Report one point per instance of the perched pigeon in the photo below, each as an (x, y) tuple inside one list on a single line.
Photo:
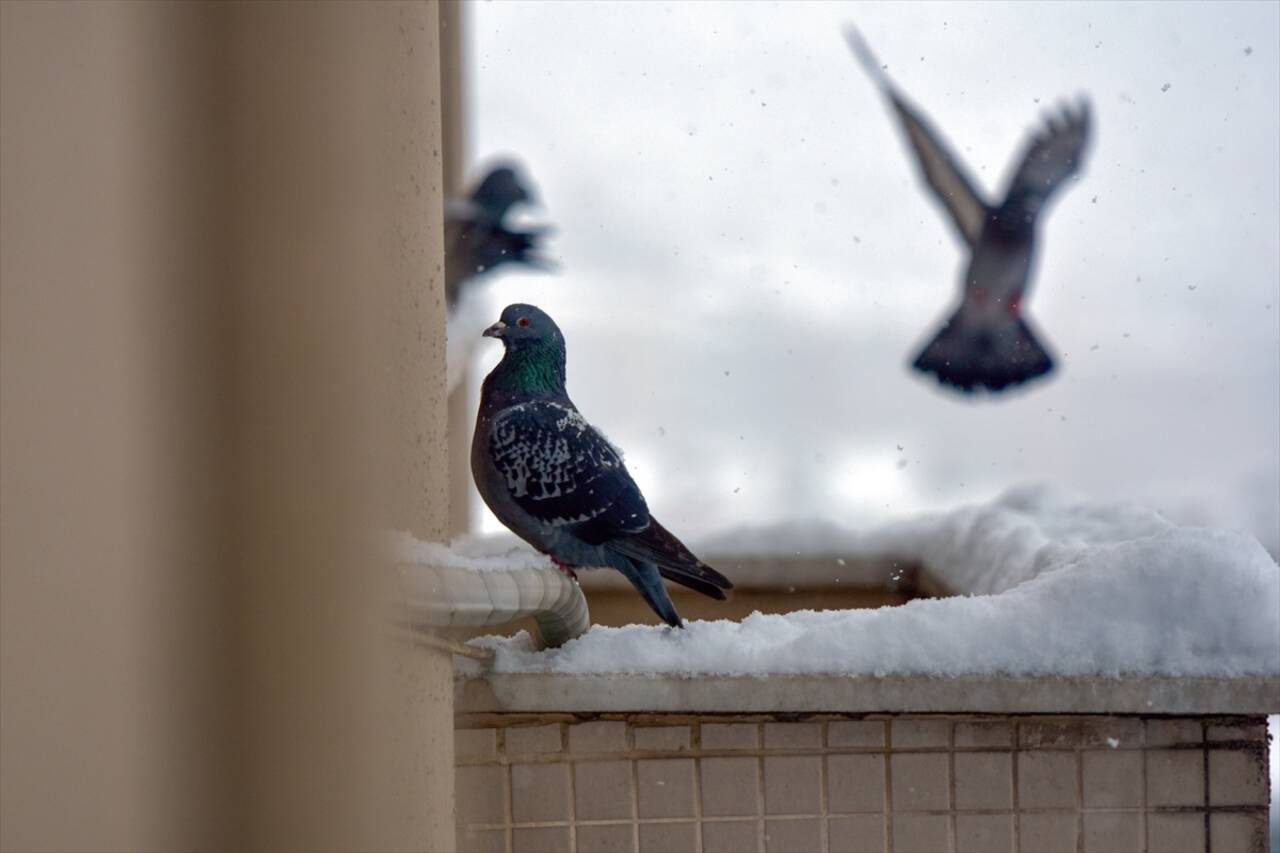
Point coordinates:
[(558, 483), (477, 238), (987, 342)]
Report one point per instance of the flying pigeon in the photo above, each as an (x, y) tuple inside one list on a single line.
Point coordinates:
[(987, 342), (558, 483), (478, 240)]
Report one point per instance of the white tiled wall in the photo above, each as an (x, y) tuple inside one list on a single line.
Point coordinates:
[(889, 784)]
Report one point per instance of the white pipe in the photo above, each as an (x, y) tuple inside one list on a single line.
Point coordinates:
[(449, 596)]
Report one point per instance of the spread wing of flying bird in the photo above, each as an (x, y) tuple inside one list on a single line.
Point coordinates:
[(942, 170), (988, 342), (1053, 155)]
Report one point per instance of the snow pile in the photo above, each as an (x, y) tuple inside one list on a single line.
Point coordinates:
[(489, 554), (985, 548), (1057, 586)]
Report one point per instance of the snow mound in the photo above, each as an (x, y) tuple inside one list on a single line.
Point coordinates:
[(1056, 586), (488, 554), (984, 548)]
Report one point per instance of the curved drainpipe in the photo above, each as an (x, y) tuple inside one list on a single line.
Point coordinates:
[(450, 596)]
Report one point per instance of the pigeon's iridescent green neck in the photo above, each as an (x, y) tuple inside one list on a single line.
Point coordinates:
[(531, 368)]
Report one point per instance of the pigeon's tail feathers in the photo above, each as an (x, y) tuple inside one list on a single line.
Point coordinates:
[(970, 353), (657, 545), (647, 580), (694, 582)]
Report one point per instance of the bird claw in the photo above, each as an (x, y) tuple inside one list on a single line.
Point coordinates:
[(568, 570)]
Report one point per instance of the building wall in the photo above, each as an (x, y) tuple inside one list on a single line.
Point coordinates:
[(221, 369), (862, 783)]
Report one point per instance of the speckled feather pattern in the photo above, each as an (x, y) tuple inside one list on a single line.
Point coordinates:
[(545, 450)]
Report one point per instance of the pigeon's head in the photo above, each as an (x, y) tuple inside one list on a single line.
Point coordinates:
[(521, 326), (500, 189)]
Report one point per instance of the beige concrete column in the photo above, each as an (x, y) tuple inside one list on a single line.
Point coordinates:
[(453, 35), (115, 723), (221, 328), (335, 141)]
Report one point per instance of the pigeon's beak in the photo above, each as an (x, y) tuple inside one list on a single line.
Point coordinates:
[(497, 330)]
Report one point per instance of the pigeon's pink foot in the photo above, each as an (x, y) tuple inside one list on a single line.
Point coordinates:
[(568, 570)]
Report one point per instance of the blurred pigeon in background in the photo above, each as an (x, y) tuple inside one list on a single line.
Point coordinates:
[(558, 483), (479, 239), (987, 342)]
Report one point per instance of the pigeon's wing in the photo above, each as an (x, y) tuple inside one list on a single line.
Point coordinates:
[(941, 169), (564, 473), (943, 174), (1053, 154), (476, 246)]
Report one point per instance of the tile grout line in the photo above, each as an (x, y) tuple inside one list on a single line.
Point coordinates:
[(951, 787), (1208, 822), (824, 841), (1013, 775), (1079, 792), (994, 812), (1146, 835), (508, 793), (797, 816), (629, 737), (811, 816), (760, 833), (695, 741), (570, 769), (887, 736), (553, 758)]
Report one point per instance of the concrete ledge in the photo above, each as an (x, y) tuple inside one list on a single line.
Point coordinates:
[(525, 692)]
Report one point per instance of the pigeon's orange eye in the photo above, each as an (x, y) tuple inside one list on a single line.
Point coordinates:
[(522, 322)]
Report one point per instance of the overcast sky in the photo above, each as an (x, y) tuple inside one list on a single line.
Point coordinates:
[(748, 261)]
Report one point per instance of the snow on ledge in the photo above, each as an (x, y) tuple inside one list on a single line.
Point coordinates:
[(478, 554), (1056, 586)]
